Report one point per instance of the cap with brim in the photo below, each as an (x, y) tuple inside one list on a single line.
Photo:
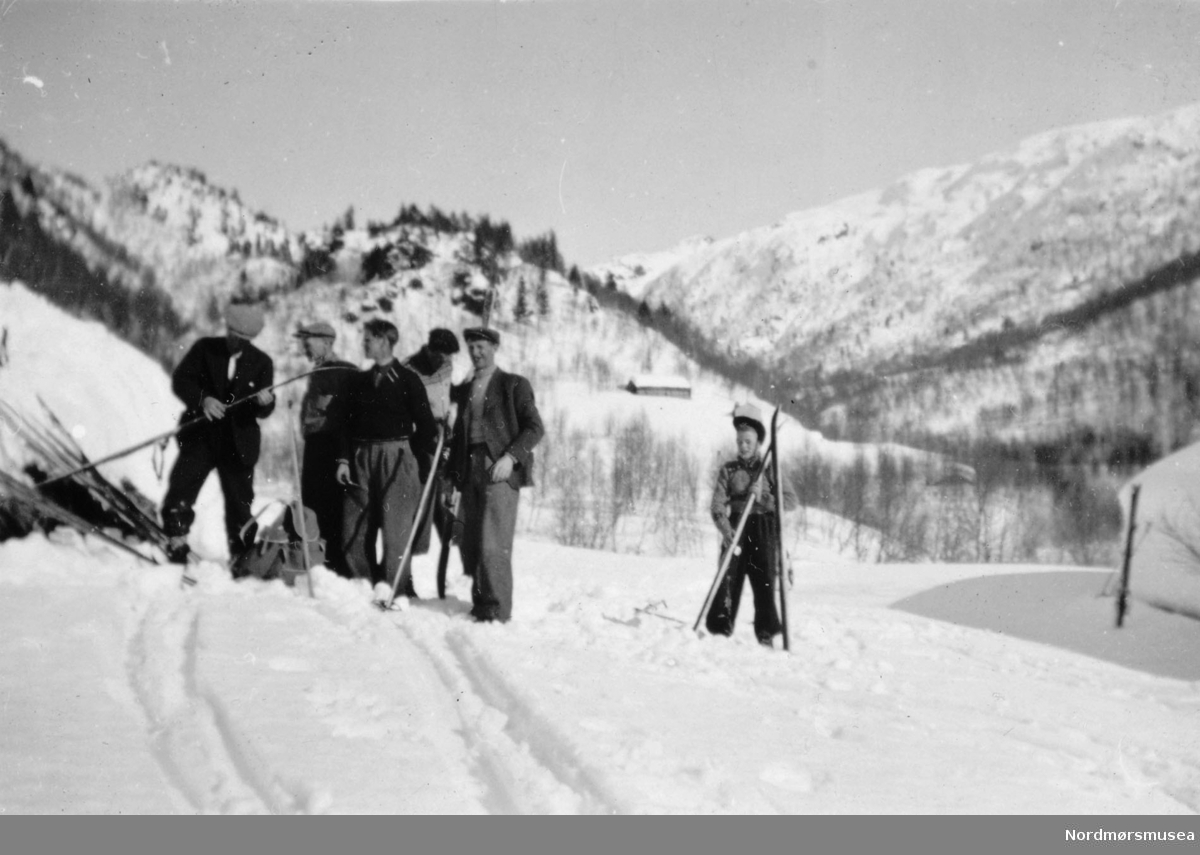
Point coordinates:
[(320, 329), (244, 319), (481, 334)]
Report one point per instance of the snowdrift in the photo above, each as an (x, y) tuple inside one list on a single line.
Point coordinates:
[(1165, 565)]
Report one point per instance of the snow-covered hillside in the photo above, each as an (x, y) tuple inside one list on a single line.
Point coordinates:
[(107, 394), (908, 688), (1024, 295)]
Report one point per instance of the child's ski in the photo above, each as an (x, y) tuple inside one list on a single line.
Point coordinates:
[(780, 553)]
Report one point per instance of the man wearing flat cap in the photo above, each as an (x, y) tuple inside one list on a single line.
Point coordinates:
[(322, 412), (491, 459), (226, 383)]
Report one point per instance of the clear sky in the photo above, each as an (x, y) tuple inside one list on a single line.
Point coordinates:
[(624, 126)]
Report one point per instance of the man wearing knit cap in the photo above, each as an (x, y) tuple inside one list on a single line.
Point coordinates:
[(491, 458), (226, 381), (321, 414)]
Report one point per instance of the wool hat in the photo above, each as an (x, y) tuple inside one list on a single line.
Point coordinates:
[(244, 319), (482, 334), (751, 416), (320, 329), (443, 341)]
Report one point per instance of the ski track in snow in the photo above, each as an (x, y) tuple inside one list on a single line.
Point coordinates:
[(504, 753), (194, 740), (527, 766)]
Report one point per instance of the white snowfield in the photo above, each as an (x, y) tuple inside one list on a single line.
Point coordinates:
[(125, 692), (907, 689)]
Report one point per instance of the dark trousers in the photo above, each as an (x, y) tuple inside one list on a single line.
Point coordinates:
[(384, 499), (758, 562), (320, 491), (489, 517), (197, 459), (435, 516)]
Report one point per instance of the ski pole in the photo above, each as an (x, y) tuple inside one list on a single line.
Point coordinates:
[(412, 534), (117, 455), (1123, 593), (302, 526)]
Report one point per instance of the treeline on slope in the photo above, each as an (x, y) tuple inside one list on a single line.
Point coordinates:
[(141, 315), (491, 242), (1062, 484)]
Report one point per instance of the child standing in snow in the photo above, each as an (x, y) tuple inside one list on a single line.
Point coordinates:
[(757, 555)]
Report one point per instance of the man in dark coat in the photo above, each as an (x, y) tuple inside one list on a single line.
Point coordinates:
[(387, 445), (214, 375), (491, 459), (321, 414), (758, 555)]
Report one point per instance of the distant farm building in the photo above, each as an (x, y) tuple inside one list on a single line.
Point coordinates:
[(671, 387)]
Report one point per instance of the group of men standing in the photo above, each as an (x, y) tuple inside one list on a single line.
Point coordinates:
[(370, 446)]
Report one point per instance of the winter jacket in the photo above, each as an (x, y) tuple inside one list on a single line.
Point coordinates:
[(203, 373), (735, 484), (323, 407), (511, 425)]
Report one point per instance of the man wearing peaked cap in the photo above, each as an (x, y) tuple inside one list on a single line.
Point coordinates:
[(491, 458), (322, 412), (215, 374)]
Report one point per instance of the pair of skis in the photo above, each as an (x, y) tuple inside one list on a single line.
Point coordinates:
[(770, 458)]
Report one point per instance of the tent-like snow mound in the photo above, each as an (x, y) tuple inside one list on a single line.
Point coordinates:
[(1165, 566)]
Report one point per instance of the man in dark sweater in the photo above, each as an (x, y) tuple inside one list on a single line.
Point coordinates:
[(215, 374), (321, 414), (387, 444)]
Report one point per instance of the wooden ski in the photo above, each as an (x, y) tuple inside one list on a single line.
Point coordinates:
[(386, 605), (780, 553)]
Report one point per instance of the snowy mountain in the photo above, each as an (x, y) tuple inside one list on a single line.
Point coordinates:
[(1036, 294)]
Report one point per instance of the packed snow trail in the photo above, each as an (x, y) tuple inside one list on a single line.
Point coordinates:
[(123, 691), (370, 732), (72, 736)]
